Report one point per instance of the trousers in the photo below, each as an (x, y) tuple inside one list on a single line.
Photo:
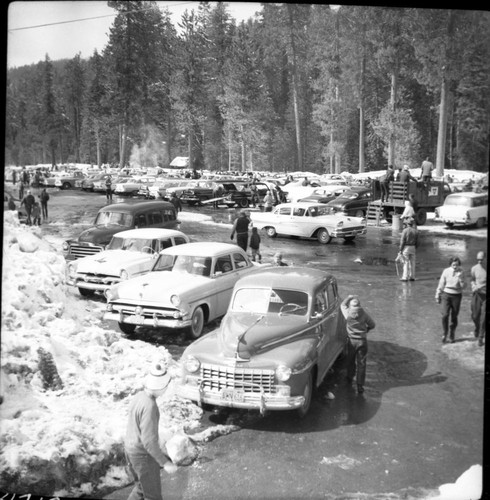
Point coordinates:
[(478, 314), (450, 303), (145, 471), (356, 358), (409, 262)]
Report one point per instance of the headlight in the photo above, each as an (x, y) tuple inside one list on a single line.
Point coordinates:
[(340, 223), (192, 364), (65, 246), (109, 294), (124, 274), (175, 300), (283, 373)]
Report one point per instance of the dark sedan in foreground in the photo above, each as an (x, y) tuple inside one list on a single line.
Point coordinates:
[(282, 333)]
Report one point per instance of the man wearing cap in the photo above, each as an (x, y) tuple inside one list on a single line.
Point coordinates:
[(144, 455), (405, 175), (479, 298), (409, 241), (358, 324)]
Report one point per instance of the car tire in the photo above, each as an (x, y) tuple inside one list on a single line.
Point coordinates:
[(127, 328), (359, 213), (449, 225), (480, 222), (271, 232), (66, 185), (421, 217), (86, 293), (308, 394), (197, 324), (243, 203), (323, 236)]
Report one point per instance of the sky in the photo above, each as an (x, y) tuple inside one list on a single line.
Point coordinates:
[(62, 29)]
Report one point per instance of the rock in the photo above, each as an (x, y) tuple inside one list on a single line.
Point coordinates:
[(181, 449)]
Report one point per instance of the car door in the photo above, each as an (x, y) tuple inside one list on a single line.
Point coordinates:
[(282, 219), (299, 222), (326, 303), (224, 279)]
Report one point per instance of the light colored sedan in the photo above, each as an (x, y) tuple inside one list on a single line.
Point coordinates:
[(130, 253), (188, 286), (309, 220), (464, 209), (132, 186)]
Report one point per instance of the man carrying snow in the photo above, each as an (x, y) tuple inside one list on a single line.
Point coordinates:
[(143, 453)]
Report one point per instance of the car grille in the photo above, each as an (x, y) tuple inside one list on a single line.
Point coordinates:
[(102, 279), (79, 251), (147, 312), (216, 378)]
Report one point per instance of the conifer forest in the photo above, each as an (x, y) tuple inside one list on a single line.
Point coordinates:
[(298, 87)]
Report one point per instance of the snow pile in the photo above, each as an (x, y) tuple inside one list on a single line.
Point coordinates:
[(468, 486), (66, 382)]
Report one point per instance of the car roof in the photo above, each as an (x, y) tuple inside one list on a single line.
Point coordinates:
[(301, 204), (203, 249), (468, 194), (131, 207), (301, 278), (149, 232)]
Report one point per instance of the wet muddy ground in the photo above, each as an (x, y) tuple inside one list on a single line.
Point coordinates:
[(419, 423)]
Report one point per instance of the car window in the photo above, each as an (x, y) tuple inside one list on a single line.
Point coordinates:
[(283, 211), (298, 212), (140, 220), (114, 219), (168, 214), (179, 240), (274, 301), (331, 295), (155, 218), (161, 244), (320, 302), (223, 264), (461, 201), (240, 261)]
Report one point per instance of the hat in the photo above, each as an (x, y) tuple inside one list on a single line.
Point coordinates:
[(158, 378), (405, 167)]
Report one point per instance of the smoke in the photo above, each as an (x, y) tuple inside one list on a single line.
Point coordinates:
[(152, 152)]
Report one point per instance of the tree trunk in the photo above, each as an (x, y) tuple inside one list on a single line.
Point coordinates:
[(299, 147), (441, 136), (361, 140), (393, 100)]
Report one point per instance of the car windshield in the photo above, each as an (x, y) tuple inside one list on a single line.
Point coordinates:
[(187, 264), (320, 210), (131, 244), (272, 301), (105, 219), (460, 201)]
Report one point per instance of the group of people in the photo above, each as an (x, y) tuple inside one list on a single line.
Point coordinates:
[(34, 209)]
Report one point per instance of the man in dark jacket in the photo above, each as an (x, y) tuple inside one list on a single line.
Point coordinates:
[(176, 202), (358, 324), (240, 227), (387, 179), (28, 202), (405, 175), (44, 198), (409, 241)]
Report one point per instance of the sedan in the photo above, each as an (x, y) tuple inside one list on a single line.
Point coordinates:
[(464, 209), (129, 254), (188, 286), (309, 220), (282, 333), (132, 186)]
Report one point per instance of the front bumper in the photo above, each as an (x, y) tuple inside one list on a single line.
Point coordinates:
[(238, 399), (346, 232), (93, 283), (156, 321)]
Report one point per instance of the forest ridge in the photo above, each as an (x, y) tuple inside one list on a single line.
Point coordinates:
[(298, 87)]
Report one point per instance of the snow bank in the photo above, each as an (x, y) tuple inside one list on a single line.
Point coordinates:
[(66, 383)]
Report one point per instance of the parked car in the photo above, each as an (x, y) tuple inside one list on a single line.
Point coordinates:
[(131, 185), (116, 217), (179, 189), (282, 333), (129, 254), (188, 286), (464, 209), (88, 183), (242, 196), (324, 194), (354, 201), (159, 188), (68, 180), (202, 191), (309, 220)]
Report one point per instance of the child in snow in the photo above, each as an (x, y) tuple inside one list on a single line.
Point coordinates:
[(255, 245)]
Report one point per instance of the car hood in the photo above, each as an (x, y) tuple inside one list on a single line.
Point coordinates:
[(251, 334), (99, 235), (159, 286), (110, 261)]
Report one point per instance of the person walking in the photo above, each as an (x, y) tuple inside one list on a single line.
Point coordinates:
[(479, 298), (240, 227), (268, 201), (144, 456), (409, 241), (358, 324), (175, 200), (108, 187), (28, 201), (218, 192), (44, 198), (449, 294), (426, 170), (387, 179), (255, 245), (21, 189)]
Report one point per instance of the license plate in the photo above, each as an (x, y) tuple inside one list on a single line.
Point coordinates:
[(136, 319), (232, 395)]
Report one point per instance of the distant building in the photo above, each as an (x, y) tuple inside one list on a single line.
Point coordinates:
[(180, 162)]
